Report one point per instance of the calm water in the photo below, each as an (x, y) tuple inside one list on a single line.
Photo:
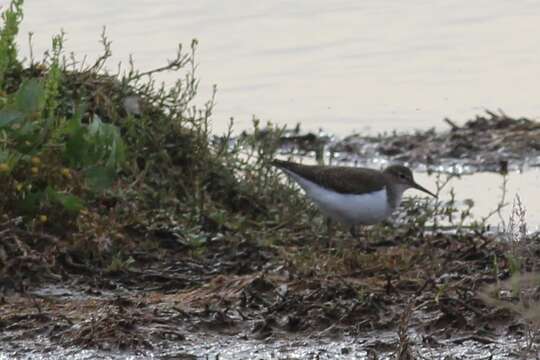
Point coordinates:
[(485, 190), (342, 65)]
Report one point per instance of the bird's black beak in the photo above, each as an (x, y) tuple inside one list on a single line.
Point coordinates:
[(421, 188)]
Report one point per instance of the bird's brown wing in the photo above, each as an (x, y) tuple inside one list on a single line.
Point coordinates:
[(342, 179)]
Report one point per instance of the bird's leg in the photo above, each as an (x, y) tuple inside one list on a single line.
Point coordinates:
[(329, 233), (364, 243), (353, 231)]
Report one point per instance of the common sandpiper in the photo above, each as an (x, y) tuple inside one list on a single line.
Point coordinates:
[(353, 195)]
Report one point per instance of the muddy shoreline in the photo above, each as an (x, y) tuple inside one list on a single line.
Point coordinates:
[(494, 142), (239, 292)]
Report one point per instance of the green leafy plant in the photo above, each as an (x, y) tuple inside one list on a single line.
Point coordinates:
[(9, 63), (40, 152)]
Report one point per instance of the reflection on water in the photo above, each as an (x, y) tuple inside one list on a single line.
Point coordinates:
[(341, 65)]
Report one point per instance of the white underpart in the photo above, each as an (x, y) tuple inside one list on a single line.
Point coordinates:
[(351, 209)]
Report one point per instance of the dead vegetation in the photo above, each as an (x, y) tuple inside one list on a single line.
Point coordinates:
[(429, 287), (493, 142)]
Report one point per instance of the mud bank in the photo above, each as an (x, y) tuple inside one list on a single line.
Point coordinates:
[(411, 295), (492, 142)]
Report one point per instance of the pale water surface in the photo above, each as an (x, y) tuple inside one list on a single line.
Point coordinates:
[(341, 65), (485, 189)]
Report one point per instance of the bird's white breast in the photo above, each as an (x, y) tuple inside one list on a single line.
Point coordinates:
[(351, 209)]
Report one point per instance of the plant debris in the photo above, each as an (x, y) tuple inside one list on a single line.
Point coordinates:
[(492, 142)]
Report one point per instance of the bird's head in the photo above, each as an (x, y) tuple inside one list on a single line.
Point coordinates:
[(402, 177)]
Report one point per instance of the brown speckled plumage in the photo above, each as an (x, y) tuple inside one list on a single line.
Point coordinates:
[(341, 179)]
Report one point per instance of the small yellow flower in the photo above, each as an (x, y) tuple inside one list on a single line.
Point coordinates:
[(19, 186), (66, 173), (4, 168), (43, 218), (35, 170), (36, 161)]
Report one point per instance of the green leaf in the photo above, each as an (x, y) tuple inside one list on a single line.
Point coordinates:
[(107, 143), (76, 147), (30, 97), (4, 155), (118, 151), (73, 125), (8, 117), (11, 158), (70, 202), (96, 126), (31, 202), (100, 178), (97, 143)]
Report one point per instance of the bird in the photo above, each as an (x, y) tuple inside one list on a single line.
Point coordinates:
[(353, 195)]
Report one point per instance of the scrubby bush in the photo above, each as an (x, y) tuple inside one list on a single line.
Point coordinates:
[(106, 161)]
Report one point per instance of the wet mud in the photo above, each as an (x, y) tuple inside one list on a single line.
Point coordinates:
[(240, 300), (492, 142)]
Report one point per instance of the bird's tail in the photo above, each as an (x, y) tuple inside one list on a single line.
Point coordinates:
[(279, 163), (290, 167), (286, 165)]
